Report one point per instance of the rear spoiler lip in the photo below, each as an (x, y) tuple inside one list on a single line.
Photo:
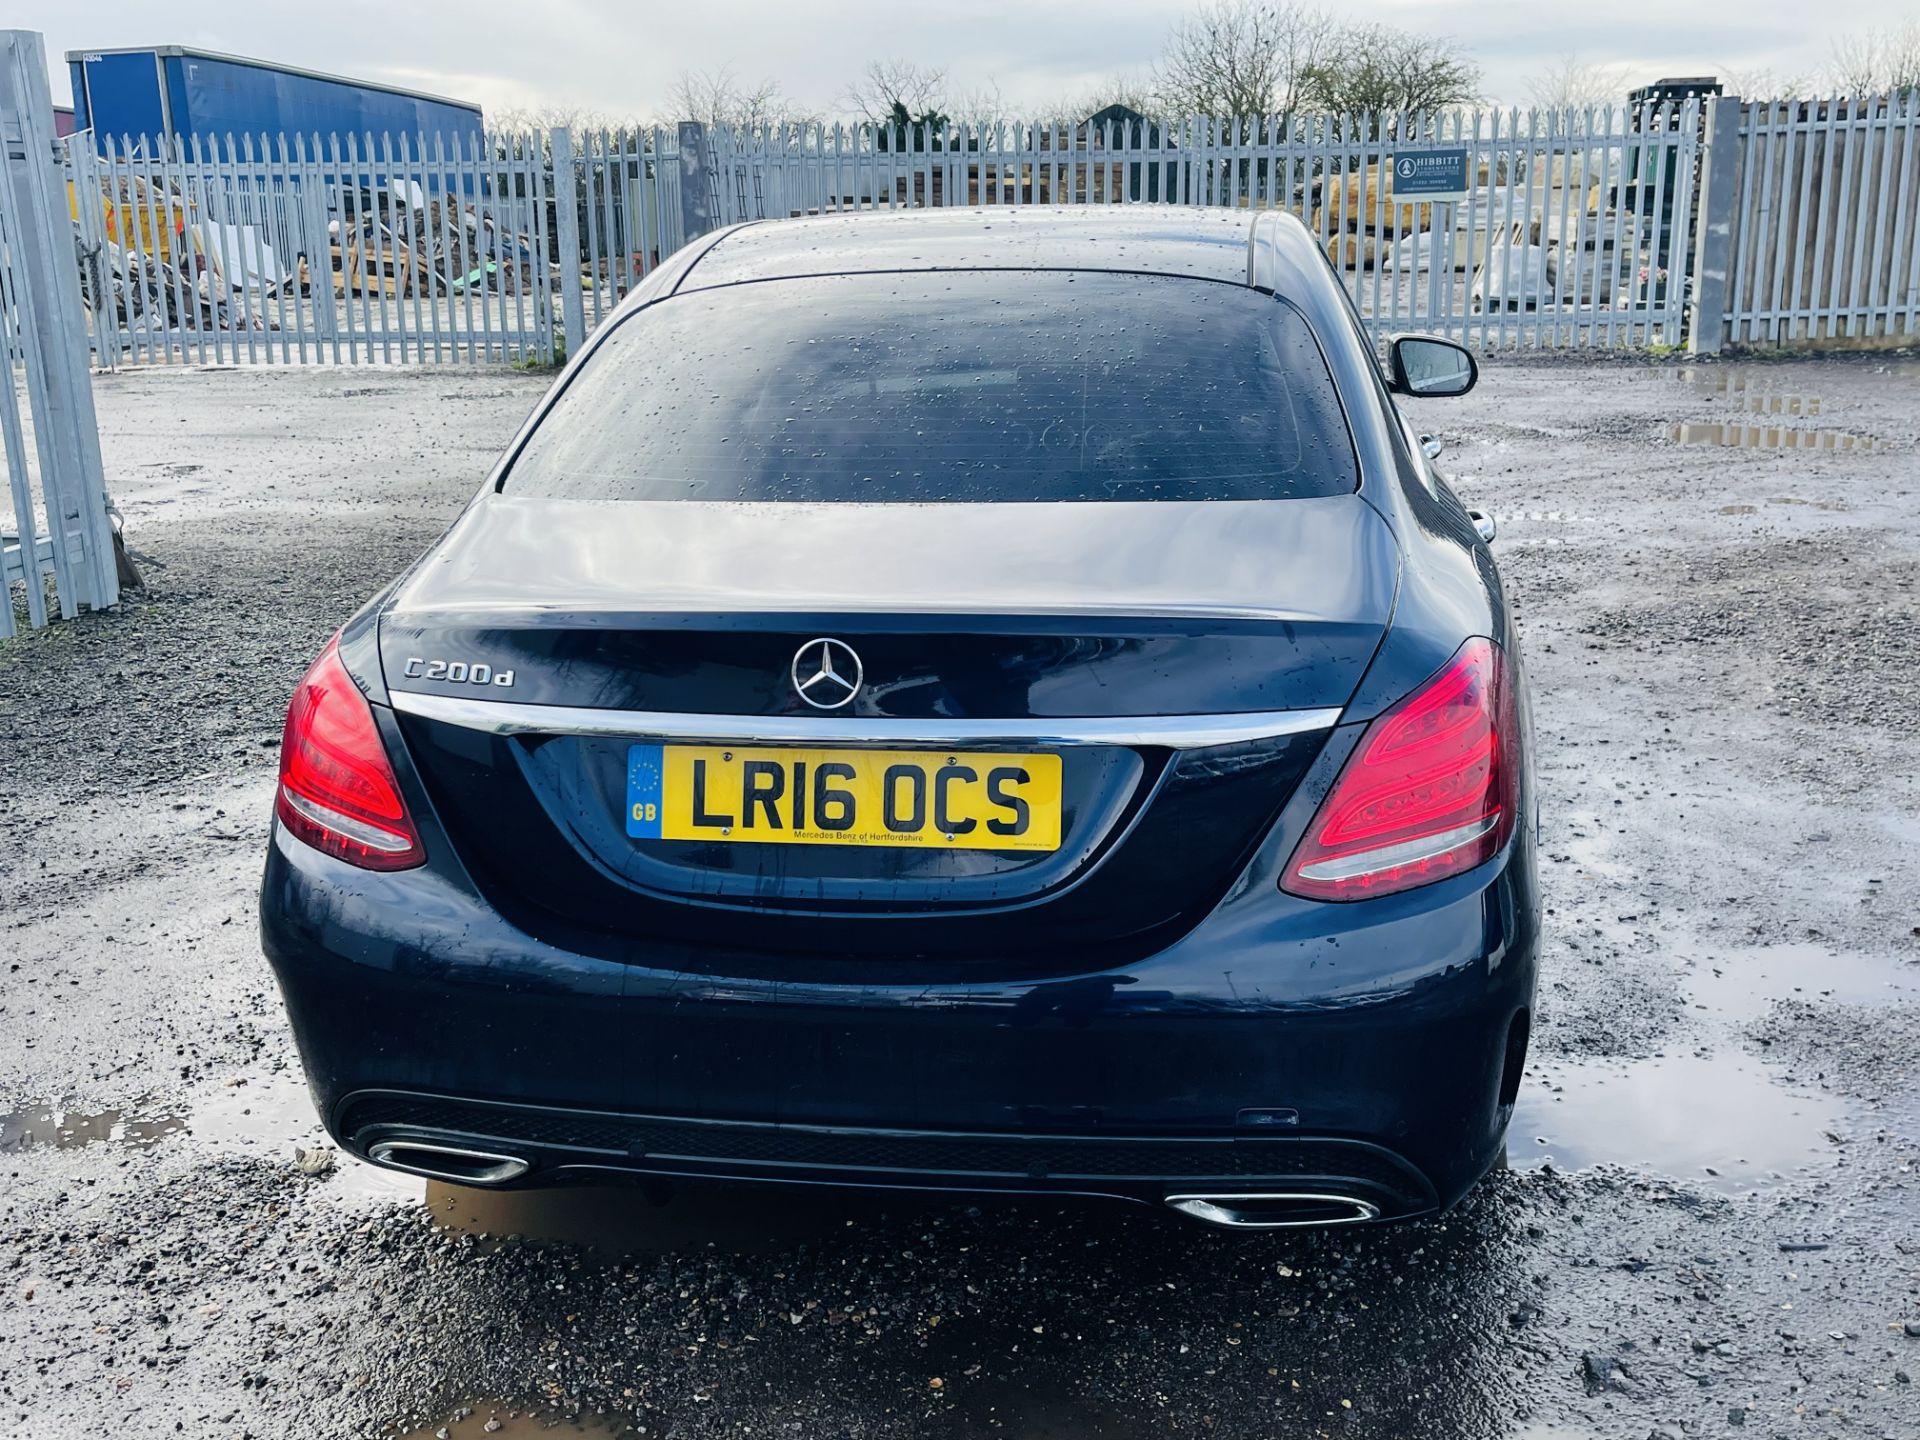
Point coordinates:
[(608, 563), (673, 612)]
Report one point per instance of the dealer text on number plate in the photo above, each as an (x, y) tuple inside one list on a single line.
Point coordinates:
[(933, 799)]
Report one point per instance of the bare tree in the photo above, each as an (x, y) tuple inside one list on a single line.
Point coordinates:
[(1575, 84), (521, 119), (1242, 57), (1380, 70), (916, 89), (1764, 83), (715, 97), (1877, 62), (976, 108)]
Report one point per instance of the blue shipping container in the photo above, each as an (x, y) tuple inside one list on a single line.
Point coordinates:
[(170, 91)]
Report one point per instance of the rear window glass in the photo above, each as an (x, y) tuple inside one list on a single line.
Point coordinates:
[(949, 386)]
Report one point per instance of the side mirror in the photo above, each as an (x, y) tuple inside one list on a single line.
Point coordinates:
[(1483, 524), (1423, 365)]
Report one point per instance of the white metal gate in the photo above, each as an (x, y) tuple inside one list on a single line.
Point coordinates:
[(54, 526), (1827, 242)]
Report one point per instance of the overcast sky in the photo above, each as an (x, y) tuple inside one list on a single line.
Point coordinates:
[(622, 58)]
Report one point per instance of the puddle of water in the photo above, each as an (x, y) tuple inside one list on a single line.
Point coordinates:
[(1724, 1121), (1742, 985), (49, 1127), (266, 1115), (243, 1115), (1781, 404), (1749, 389), (270, 1116), (1771, 437), (487, 1420), (624, 1219), (364, 1184), (273, 1112)]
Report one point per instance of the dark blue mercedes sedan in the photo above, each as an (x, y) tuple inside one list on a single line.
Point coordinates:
[(966, 701)]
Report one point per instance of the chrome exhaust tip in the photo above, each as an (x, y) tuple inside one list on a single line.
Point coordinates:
[(1275, 1210), (456, 1163)]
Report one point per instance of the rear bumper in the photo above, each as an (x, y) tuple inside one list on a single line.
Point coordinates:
[(1280, 1046), (560, 1144)]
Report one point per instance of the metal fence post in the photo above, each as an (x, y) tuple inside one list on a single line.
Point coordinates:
[(566, 218), (44, 285), (82, 163), (696, 199), (315, 246), (1714, 233)]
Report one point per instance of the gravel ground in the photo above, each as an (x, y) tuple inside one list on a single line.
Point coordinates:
[(1712, 1220)]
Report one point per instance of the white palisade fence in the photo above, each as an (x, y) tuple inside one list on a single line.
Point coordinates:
[(1827, 245), (1704, 221), (306, 248), (1574, 229), (56, 541)]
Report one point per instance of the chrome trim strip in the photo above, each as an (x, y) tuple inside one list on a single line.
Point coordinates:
[(1174, 732)]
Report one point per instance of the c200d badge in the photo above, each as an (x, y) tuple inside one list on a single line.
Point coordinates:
[(455, 672)]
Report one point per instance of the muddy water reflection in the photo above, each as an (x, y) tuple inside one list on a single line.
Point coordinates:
[(957, 1320), (49, 1127), (266, 1115), (1771, 437), (240, 1114), (1781, 404), (1751, 389), (626, 1219), (487, 1421)]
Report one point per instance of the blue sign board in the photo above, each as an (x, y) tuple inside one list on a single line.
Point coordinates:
[(1430, 175)]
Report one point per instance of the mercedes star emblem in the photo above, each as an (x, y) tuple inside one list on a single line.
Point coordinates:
[(826, 673)]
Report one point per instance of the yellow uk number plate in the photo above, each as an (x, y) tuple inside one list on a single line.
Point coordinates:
[(929, 799)]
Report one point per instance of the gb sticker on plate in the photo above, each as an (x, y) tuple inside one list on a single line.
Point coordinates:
[(644, 772)]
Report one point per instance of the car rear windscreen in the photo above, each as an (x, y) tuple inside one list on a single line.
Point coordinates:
[(949, 386)]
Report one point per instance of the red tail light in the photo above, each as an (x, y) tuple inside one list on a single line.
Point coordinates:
[(1431, 789), (337, 789)]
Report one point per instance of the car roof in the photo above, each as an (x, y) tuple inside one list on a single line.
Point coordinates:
[(1155, 239)]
